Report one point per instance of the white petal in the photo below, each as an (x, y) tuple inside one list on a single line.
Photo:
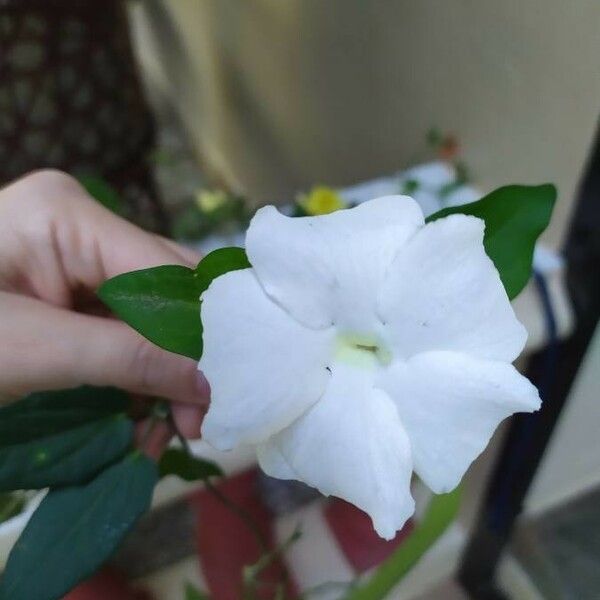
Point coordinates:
[(444, 293), (273, 463), (326, 269), (264, 368), (351, 444), (450, 405)]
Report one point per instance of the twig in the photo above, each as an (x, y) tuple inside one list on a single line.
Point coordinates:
[(237, 510), (252, 572), (241, 513)]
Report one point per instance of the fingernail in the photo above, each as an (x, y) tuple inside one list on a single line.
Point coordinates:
[(202, 386)]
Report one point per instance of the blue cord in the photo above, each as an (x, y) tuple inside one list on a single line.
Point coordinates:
[(517, 453)]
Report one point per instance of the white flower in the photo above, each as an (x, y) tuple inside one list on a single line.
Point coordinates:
[(361, 346)]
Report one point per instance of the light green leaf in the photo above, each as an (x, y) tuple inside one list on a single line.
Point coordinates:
[(193, 593), (75, 530), (515, 216), (163, 303), (11, 505), (440, 513), (62, 438), (176, 461), (99, 189)]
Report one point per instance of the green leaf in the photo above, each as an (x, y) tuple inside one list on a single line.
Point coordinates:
[(410, 186), (49, 413), (65, 458), (75, 529), (514, 216), (193, 593), (11, 505), (434, 137), (62, 437), (99, 189), (176, 461), (440, 513), (218, 263), (163, 303)]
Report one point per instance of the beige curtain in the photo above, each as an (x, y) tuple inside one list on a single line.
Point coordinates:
[(279, 94)]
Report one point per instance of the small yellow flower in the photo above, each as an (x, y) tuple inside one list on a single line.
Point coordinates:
[(321, 200), (210, 200)]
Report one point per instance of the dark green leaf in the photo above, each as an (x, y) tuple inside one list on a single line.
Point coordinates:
[(163, 303), (176, 461), (299, 210), (65, 458), (49, 413), (440, 513), (99, 189), (62, 437), (218, 263), (514, 216), (75, 529)]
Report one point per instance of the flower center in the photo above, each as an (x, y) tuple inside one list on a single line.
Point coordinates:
[(361, 350)]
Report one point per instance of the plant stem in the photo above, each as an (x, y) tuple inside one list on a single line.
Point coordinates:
[(241, 513), (252, 572), (237, 510), (152, 421)]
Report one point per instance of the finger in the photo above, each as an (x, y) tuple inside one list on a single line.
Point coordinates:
[(188, 419), (69, 241), (152, 438), (188, 255), (112, 246), (52, 348)]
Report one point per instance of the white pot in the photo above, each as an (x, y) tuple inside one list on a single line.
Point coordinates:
[(11, 529)]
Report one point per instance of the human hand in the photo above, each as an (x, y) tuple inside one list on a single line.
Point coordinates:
[(57, 246)]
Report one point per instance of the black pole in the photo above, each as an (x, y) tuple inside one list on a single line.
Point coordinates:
[(553, 371)]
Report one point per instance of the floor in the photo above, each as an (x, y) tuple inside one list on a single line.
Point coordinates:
[(561, 550)]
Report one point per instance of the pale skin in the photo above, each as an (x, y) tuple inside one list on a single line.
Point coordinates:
[(57, 246)]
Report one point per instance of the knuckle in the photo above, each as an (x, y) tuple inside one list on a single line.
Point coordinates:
[(44, 190), (53, 182), (145, 366)]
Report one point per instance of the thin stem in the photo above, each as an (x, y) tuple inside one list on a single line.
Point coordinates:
[(237, 510), (241, 513), (252, 572), (182, 439), (152, 421)]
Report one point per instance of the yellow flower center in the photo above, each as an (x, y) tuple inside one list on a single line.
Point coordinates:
[(210, 200), (322, 200), (360, 350)]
